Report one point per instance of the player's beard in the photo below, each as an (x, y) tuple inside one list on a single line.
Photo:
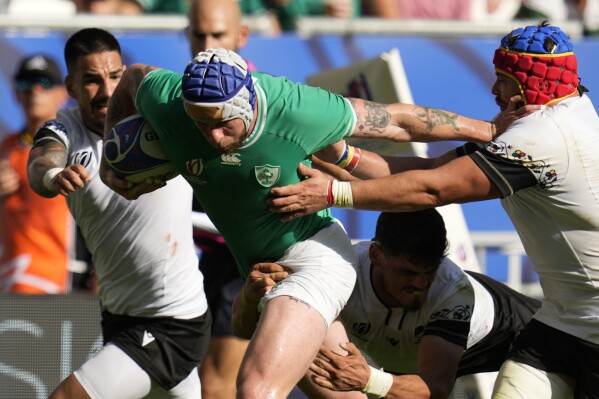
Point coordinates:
[(228, 148)]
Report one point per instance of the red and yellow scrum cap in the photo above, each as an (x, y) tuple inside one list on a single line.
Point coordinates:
[(541, 60)]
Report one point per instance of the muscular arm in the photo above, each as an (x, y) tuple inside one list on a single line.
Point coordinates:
[(373, 165), (437, 368), (408, 122), (120, 106), (457, 181), (262, 278), (122, 102), (42, 158)]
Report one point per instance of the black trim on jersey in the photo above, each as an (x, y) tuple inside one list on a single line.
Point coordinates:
[(513, 311), (467, 149), (454, 331), (508, 176), (44, 135)]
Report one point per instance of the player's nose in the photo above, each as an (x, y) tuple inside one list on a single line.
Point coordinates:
[(216, 135)]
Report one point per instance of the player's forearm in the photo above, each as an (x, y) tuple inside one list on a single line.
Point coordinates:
[(122, 102), (407, 122), (41, 161), (411, 386), (244, 316), (425, 124), (395, 193)]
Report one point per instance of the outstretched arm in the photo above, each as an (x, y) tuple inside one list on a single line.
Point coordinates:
[(407, 122), (47, 172), (458, 181)]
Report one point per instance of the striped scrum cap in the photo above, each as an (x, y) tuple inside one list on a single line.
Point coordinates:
[(217, 86), (541, 60)]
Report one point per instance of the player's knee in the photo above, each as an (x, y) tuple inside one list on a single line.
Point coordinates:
[(256, 388)]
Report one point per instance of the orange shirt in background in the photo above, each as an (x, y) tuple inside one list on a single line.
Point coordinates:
[(36, 233)]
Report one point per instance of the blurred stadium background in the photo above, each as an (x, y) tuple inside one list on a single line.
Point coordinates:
[(447, 65)]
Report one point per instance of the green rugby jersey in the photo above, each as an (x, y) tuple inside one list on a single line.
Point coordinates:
[(294, 121)]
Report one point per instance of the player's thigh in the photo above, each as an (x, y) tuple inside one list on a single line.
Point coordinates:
[(69, 388), (126, 379), (284, 344), (520, 381), (189, 388)]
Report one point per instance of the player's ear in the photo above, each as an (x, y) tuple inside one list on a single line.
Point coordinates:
[(243, 36), (68, 83), (374, 253)]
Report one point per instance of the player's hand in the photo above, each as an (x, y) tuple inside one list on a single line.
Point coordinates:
[(263, 277), (299, 199), (70, 179), (127, 189), (338, 372), (9, 179), (515, 110)]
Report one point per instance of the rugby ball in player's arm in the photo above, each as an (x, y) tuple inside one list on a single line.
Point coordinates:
[(134, 152)]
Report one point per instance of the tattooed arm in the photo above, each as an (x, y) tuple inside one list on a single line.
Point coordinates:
[(122, 102), (408, 122), (47, 172), (120, 106)]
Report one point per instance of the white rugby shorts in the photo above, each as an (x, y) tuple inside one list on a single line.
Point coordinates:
[(322, 272)]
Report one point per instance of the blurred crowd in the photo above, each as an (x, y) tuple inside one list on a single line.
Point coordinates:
[(284, 13)]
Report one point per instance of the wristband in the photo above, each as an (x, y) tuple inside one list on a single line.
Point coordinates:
[(340, 194), (350, 158), (49, 176), (379, 383)]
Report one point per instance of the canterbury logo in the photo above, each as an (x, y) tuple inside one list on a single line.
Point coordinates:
[(230, 159)]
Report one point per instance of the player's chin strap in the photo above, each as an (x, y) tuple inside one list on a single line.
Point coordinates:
[(379, 383)]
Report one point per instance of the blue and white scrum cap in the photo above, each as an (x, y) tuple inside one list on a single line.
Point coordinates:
[(217, 86)]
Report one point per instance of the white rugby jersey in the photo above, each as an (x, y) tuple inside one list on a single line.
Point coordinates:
[(457, 307), (142, 250), (547, 168)]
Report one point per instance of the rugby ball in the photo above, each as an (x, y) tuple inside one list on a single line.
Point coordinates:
[(134, 152)]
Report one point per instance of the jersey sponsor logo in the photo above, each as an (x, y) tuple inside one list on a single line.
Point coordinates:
[(230, 159), (147, 338), (267, 175), (82, 157)]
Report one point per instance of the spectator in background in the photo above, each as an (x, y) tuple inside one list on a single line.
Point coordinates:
[(132, 7), (36, 234), (552, 10), (288, 11), (463, 10), (217, 23)]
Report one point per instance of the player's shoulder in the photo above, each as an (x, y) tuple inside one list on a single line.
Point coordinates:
[(450, 278)]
